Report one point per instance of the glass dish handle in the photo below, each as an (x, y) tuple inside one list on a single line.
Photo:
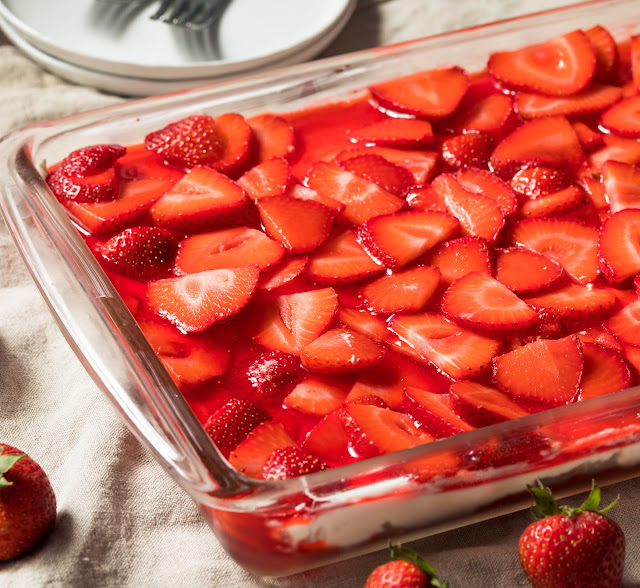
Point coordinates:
[(93, 317)]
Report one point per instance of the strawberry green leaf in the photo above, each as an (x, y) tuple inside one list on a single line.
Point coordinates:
[(7, 461), (399, 552), (545, 505)]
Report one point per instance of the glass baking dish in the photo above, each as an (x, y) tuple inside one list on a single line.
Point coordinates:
[(283, 527)]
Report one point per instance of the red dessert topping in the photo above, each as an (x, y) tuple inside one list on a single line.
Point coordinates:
[(439, 253)]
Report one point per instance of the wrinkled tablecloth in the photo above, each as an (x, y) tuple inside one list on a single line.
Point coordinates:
[(122, 522)]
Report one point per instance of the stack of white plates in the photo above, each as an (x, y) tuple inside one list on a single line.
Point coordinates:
[(116, 47)]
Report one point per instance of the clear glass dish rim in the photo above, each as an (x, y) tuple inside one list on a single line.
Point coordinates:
[(187, 454)]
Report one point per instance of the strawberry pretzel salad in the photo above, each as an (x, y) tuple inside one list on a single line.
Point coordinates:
[(441, 252)]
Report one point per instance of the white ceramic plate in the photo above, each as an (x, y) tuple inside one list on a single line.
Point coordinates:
[(130, 86), (120, 39)]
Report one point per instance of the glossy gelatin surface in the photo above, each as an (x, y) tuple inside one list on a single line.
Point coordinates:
[(444, 251)]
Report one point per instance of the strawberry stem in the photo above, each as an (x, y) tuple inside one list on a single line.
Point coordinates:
[(7, 461), (399, 552), (546, 505)]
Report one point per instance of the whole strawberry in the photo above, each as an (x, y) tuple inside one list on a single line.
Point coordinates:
[(405, 570), (568, 547), (27, 503)]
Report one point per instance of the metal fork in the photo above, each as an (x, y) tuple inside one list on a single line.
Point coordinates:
[(190, 14)]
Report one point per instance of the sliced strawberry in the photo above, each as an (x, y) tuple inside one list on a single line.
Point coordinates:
[(188, 142), (605, 371), (559, 203), (197, 301), (200, 366), (403, 291), (291, 462), (560, 66), (395, 132), (482, 113), (536, 181), (305, 193), (138, 163), (189, 361), (272, 177), (434, 412), (386, 391), (262, 323), (546, 370), (478, 301), (619, 245), (274, 136), (341, 259), (396, 239), (164, 338), (482, 181), (616, 149), (632, 355), (292, 321), (238, 141), (594, 190), (341, 351), (549, 141), (600, 336), (621, 183), (364, 322), (374, 431), (134, 200), (625, 324), (589, 138), (387, 380), (479, 215), (87, 174), (145, 253), (569, 242), (606, 52), (422, 164), (429, 94), (308, 314), (572, 302), (329, 441), (426, 198), (456, 351), (271, 374), (482, 405), (203, 198), (524, 271), (623, 118), (251, 454), (363, 199), (392, 177), (285, 273), (232, 422), (594, 98), (468, 150), (300, 225), (457, 257), (318, 395), (369, 399), (635, 61), (235, 247)]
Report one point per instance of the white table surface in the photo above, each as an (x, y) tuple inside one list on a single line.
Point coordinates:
[(121, 520)]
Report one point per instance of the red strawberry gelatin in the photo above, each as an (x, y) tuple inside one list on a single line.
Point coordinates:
[(281, 261), (441, 252)]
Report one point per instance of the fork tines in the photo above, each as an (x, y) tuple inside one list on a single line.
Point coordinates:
[(190, 14)]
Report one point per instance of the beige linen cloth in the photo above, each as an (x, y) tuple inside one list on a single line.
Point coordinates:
[(122, 522)]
